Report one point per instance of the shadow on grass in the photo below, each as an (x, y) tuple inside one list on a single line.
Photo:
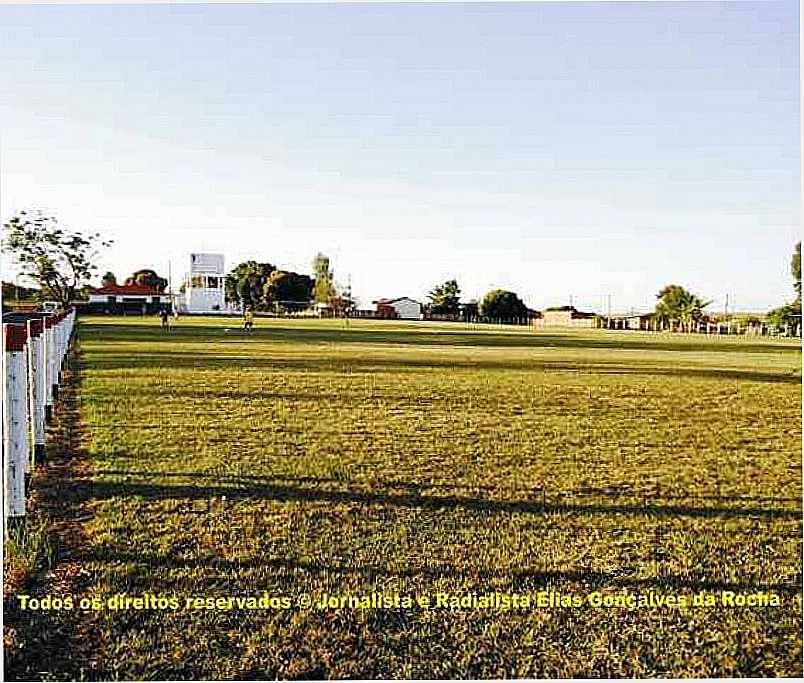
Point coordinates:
[(160, 361), (517, 580), (550, 504), (608, 492), (461, 336)]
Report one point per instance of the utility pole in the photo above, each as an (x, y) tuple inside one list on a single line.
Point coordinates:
[(174, 310)]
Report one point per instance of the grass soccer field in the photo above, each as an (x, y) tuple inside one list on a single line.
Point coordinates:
[(397, 459)]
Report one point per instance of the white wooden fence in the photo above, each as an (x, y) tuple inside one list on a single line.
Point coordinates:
[(726, 327), (33, 355)]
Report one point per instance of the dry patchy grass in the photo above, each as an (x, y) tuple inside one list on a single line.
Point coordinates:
[(314, 457)]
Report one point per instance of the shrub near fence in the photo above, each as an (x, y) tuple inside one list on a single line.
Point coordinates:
[(34, 349)]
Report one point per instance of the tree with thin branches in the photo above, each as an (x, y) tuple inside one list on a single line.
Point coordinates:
[(60, 261)]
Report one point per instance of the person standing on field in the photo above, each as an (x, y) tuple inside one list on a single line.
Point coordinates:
[(163, 316), (248, 319)]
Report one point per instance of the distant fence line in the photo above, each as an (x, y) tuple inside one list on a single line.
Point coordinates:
[(487, 320), (35, 347), (646, 325), (726, 327)]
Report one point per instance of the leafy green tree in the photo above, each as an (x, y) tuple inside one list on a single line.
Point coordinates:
[(788, 315), (499, 303), (676, 303), (445, 298), (324, 290), (245, 284), (58, 260), (346, 300), (83, 292), (14, 292), (108, 279), (146, 277), (283, 285)]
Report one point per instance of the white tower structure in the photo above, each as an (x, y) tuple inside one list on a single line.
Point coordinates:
[(204, 284)]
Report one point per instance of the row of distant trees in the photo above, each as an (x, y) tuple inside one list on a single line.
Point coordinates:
[(675, 304), (498, 303), (264, 286), (146, 277), (61, 261)]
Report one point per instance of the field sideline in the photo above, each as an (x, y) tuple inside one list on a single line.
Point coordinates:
[(315, 457)]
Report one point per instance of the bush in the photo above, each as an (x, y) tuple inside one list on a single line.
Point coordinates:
[(788, 315), (502, 305)]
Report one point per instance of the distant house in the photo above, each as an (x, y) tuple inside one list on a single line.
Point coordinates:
[(640, 321), (402, 307), (385, 311), (564, 316), (117, 299), (630, 321), (469, 310)]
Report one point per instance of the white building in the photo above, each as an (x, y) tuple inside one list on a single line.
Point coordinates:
[(404, 307), (203, 286)]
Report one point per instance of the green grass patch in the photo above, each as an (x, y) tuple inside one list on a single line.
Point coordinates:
[(318, 457), (27, 549)]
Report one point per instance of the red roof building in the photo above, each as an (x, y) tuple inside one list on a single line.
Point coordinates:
[(114, 294), (125, 290)]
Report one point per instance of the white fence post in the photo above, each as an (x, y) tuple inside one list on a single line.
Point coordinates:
[(58, 329), (36, 387), (49, 340), (15, 425), (65, 339)]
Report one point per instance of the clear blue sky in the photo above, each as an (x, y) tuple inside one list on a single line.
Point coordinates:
[(556, 149)]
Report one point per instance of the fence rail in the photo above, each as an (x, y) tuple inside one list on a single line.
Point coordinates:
[(35, 347), (723, 327)]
